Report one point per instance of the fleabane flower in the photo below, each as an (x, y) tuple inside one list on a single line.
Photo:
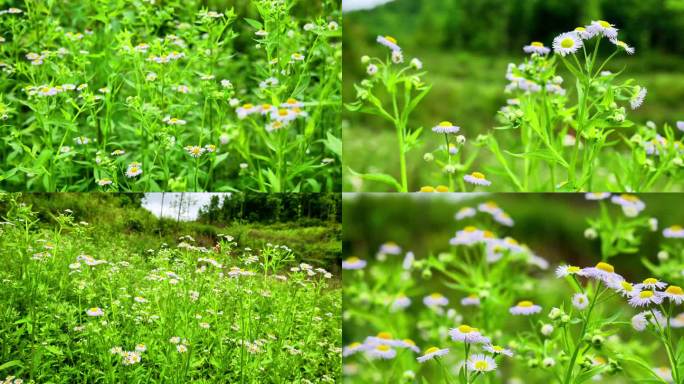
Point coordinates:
[(565, 270), (465, 212), (583, 33), (567, 43), (646, 298), (470, 300), (498, 350), (580, 301), (525, 308), (602, 271), (651, 283), (389, 42), (468, 334), (95, 312), (536, 47), (133, 170), (641, 320), (435, 300), (674, 293), (371, 69), (130, 358), (623, 287), (638, 97), (353, 262), (481, 363), (400, 302), (432, 353), (675, 231), (353, 348), (446, 127), (382, 351), (603, 28), (623, 45), (173, 121), (477, 178), (246, 110), (631, 205), (597, 195), (195, 150)]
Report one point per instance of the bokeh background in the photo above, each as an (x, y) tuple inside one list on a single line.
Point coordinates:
[(465, 46)]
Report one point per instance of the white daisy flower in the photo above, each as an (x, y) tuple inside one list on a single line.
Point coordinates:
[(432, 353), (139, 299), (664, 373), (470, 300), (353, 348), (292, 103), (173, 121), (389, 42), (353, 262), (503, 219), (646, 298), (246, 110), (631, 205), (489, 207), (390, 248), (133, 170), (445, 127), (651, 283), (583, 33), (603, 28), (408, 344), (435, 300), (95, 312), (623, 45), (183, 89), (525, 308), (468, 334), (602, 272), (674, 231), (195, 150), (269, 82), (103, 182), (580, 301), (597, 195), (477, 178), (623, 287), (638, 97), (225, 83), (382, 351), (467, 236), (297, 56), (565, 270), (284, 115), (181, 348), (536, 47), (566, 43), (465, 212), (400, 302), (130, 358), (675, 294), (118, 152), (498, 350), (481, 363)]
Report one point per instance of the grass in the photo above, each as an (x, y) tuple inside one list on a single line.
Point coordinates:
[(164, 313)]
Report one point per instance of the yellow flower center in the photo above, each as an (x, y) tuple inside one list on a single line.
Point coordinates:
[(627, 286), (427, 188), (674, 290), (195, 150), (445, 124), (537, 44), (353, 259), (472, 296), (248, 106), (94, 309), (466, 328), (436, 295), (266, 106), (383, 348), (650, 280), (481, 365), (573, 269), (431, 350), (512, 241), (291, 101), (605, 267), (409, 342), (605, 24), (568, 42), (646, 294), (488, 234), (354, 344), (478, 175), (491, 204), (580, 29), (630, 198), (391, 39), (525, 304), (497, 348), (470, 228), (676, 228), (283, 112), (384, 335), (134, 169), (442, 188)]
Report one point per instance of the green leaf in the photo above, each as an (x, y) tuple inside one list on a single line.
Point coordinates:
[(334, 144), (379, 177), (254, 23), (10, 364)]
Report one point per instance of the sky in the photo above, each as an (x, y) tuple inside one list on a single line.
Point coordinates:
[(353, 5), (194, 201)]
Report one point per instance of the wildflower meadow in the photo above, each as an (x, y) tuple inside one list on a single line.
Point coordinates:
[(129, 298), (170, 96), (565, 122), (511, 289)]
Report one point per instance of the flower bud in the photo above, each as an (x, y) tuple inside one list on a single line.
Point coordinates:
[(547, 329), (428, 157), (365, 59), (663, 256), (590, 233)]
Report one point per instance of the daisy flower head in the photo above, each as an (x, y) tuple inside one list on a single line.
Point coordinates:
[(445, 127), (353, 262), (297, 57), (400, 302), (181, 348), (638, 97), (133, 170), (477, 178), (292, 103), (631, 205), (597, 195), (565, 270), (680, 125), (624, 288), (382, 351), (498, 350), (245, 110), (390, 248), (141, 347), (651, 283), (353, 348), (130, 358), (470, 300), (674, 232), (408, 344), (468, 334), (95, 312), (603, 28), (104, 182), (525, 308), (583, 33), (481, 363), (284, 115), (195, 150), (435, 300), (173, 121), (623, 45), (674, 293), (567, 43), (664, 373), (536, 47), (416, 64), (389, 42), (580, 301), (432, 353), (465, 212), (467, 236), (646, 298), (602, 271), (503, 219)]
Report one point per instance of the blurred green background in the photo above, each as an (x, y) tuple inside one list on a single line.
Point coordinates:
[(465, 46), (552, 224)]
